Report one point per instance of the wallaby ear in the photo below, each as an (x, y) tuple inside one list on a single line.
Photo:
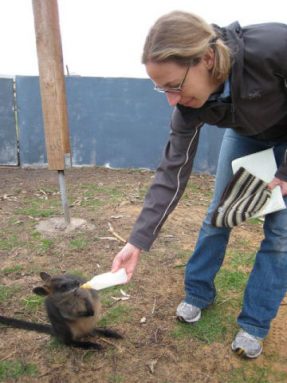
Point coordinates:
[(45, 276), (41, 291)]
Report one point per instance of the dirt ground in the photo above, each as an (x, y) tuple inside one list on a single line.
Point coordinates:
[(149, 351)]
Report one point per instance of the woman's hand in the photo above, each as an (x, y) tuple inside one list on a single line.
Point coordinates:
[(127, 258), (275, 182)]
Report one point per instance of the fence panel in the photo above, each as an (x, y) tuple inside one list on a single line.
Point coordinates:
[(116, 122), (8, 134)]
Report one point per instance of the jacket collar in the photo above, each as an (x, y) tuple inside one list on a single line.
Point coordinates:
[(232, 35)]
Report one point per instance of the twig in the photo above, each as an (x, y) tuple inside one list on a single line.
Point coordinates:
[(111, 230), (180, 265), (228, 299), (153, 307), (8, 356), (44, 374), (107, 238), (113, 344)]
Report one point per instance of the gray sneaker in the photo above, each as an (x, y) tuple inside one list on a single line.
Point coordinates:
[(188, 313), (247, 345)]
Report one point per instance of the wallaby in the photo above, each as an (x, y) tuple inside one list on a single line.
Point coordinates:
[(73, 312)]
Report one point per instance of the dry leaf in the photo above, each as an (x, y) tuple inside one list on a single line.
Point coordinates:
[(8, 197), (120, 298), (151, 365), (124, 297), (124, 293)]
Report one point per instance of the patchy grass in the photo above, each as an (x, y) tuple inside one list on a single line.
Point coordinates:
[(156, 348), (79, 243), (115, 315), (32, 303), (38, 209), (238, 260), (15, 369), (7, 292), (216, 321), (212, 327), (255, 374), (9, 241), (12, 269)]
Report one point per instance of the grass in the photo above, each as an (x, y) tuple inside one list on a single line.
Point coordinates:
[(255, 221), (40, 244), (12, 270), (228, 281), (193, 189), (33, 303), (37, 212), (31, 252), (15, 369), (217, 320), (46, 244), (36, 243), (255, 374), (115, 315), (7, 292), (95, 195), (91, 202), (116, 379), (238, 260), (56, 345), (79, 243), (107, 294), (9, 242)]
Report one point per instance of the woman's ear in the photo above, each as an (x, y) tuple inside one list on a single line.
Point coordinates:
[(208, 58)]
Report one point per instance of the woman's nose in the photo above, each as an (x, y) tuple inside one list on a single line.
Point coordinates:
[(173, 98)]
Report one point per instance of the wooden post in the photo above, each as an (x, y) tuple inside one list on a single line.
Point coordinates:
[(52, 82), (53, 90)]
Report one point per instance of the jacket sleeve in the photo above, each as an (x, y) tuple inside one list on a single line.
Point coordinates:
[(282, 170), (170, 179), (281, 72)]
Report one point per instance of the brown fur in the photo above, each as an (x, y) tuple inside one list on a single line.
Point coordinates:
[(73, 311)]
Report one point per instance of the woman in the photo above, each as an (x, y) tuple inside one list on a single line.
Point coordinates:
[(235, 78)]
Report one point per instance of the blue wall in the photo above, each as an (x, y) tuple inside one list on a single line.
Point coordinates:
[(8, 135), (116, 122)]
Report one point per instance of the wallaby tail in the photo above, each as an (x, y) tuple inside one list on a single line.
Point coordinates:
[(30, 326), (106, 332)]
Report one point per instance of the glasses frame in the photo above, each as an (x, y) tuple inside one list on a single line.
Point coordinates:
[(177, 89)]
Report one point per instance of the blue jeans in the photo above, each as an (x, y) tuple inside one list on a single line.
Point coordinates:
[(267, 284)]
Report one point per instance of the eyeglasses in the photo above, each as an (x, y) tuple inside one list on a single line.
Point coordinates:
[(176, 89)]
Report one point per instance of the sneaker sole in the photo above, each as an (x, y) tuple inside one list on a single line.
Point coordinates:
[(242, 353), (195, 319)]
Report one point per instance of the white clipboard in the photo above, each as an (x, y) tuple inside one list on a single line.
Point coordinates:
[(262, 165)]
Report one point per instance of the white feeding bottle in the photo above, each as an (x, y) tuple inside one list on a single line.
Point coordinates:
[(102, 281)]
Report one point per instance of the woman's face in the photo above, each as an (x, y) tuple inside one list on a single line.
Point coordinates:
[(198, 84)]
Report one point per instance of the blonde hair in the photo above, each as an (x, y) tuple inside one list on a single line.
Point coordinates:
[(184, 38)]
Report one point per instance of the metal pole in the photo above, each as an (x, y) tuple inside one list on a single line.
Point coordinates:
[(64, 196)]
